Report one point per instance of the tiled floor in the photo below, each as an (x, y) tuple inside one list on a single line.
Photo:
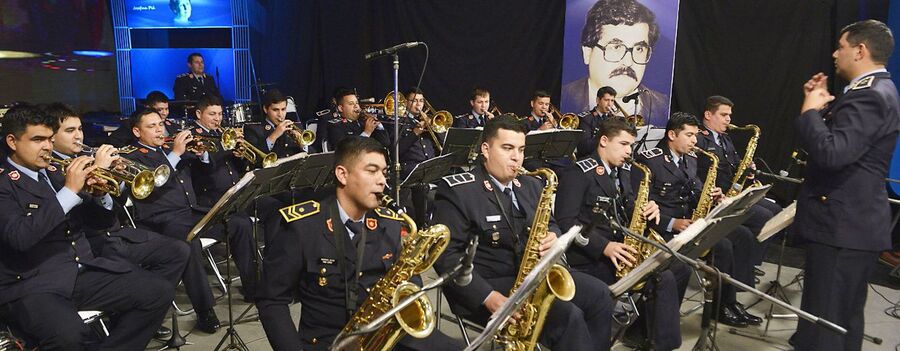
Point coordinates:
[(878, 324)]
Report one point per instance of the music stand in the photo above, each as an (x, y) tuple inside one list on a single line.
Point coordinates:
[(464, 143), (549, 144), (317, 172), (429, 171), (648, 137)]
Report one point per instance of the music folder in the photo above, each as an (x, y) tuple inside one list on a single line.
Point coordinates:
[(553, 143), (464, 143)]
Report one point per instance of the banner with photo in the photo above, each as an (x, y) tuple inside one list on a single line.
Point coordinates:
[(628, 45)]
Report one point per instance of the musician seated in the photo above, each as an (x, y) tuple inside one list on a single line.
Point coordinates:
[(677, 190), (318, 250), (541, 118), (47, 269), (498, 206), (590, 120), (480, 101), (275, 133), (352, 121), (157, 101), (605, 175), (416, 146)]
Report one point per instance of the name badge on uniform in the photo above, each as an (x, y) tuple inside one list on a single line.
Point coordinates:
[(326, 260), (494, 218), (322, 280), (34, 206)]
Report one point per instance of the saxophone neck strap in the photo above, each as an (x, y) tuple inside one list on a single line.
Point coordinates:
[(351, 289)]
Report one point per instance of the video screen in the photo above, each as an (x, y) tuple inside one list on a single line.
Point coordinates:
[(177, 13)]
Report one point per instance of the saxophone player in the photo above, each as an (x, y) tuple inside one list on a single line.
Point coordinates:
[(315, 253), (677, 189), (606, 175), (496, 204)]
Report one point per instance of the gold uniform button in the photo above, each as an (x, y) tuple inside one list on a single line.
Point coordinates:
[(77, 259), (18, 277), (73, 244), (181, 181), (823, 198), (360, 274), (314, 341), (187, 193)]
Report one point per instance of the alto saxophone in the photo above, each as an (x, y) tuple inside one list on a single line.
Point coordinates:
[(420, 250), (638, 225), (559, 284), (706, 199), (737, 183)]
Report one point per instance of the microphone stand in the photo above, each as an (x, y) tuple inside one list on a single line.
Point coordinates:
[(396, 158)]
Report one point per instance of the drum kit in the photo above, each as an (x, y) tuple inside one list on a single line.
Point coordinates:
[(233, 115)]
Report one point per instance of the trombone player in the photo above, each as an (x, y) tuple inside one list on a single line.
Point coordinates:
[(540, 118), (416, 146)]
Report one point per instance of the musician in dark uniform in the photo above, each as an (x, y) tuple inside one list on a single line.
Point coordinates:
[(842, 208), (714, 138), (590, 120), (156, 101), (498, 206), (353, 122), (676, 188), (274, 134), (317, 252), (195, 84), (47, 269), (605, 177), (540, 118), (173, 209), (416, 146), (480, 101)]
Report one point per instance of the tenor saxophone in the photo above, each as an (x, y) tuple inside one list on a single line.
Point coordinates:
[(420, 250), (638, 225), (706, 199), (737, 183), (558, 283)]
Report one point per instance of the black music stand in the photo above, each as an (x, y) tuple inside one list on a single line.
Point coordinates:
[(548, 144), (317, 172), (464, 143), (429, 171)]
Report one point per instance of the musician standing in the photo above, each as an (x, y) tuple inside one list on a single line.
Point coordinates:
[(590, 120), (480, 101), (316, 255), (353, 121), (842, 208), (196, 83), (274, 134), (47, 270), (495, 204)]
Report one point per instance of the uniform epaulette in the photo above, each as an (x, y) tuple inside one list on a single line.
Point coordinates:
[(252, 123), (587, 164), (651, 153), (461, 116), (385, 212), (299, 211), (863, 83), (583, 114), (459, 178), (126, 150), (626, 166), (323, 112), (335, 120), (183, 75)]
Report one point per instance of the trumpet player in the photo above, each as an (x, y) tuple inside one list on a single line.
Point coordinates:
[(46, 264), (353, 121), (540, 118), (480, 100), (225, 167), (273, 134), (155, 100), (590, 120)]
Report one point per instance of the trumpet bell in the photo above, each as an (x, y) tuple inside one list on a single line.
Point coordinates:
[(388, 103), (569, 121), (441, 121), (142, 185), (161, 175)]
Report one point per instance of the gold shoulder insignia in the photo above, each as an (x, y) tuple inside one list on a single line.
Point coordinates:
[(126, 150), (863, 83), (384, 212), (299, 211)]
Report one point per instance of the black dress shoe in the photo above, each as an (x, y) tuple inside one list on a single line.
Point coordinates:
[(740, 310), (758, 272), (207, 322), (728, 316), (162, 333)]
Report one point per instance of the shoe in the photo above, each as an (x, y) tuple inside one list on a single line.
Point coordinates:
[(890, 258), (162, 333), (758, 272), (635, 340), (751, 319), (728, 317), (207, 322)]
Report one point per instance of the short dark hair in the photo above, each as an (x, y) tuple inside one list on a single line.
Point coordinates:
[(606, 90), (135, 118), (351, 148), (155, 97), (875, 34), (611, 127), (207, 101), (506, 121), (192, 55), (339, 94), (413, 90), (539, 94), (273, 96), (479, 91), (680, 119), (19, 117), (713, 103), (59, 111), (616, 12)]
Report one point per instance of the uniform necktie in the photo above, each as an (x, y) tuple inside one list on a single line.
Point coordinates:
[(355, 227), (43, 179)]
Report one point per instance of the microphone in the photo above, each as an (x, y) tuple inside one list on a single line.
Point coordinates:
[(633, 96), (465, 275), (392, 49)]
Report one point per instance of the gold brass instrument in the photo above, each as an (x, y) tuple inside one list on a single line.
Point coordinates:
[(303, 137), (388, 103), (141, 186), (198, 143), (638, 225), (495, 110), (740, 178), (636, 120), (128, 169), (420, 250), (246, 150), (438, 122), (559, 284), (568, 121), (706, 199)]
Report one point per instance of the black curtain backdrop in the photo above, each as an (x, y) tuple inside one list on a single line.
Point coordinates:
[(756, 52)]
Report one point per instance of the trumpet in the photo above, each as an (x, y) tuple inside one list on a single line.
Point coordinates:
[(303, 137), (131, 169), (246, 150), (568, 121), (141, 185), (199, 143)]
